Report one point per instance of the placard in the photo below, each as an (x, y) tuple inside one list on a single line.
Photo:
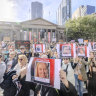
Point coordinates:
[(19, 43), (39, 48), (44, 71), (94, 46)]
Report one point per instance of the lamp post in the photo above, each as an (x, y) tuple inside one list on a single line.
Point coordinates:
[(66, 33)]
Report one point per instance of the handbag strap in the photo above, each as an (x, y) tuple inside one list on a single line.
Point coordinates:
[(66, 69)]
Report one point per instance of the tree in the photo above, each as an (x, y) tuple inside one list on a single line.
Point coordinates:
[(83, 27)]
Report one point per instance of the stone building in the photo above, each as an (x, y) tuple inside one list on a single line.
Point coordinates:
[(37, 30), (9, 31)]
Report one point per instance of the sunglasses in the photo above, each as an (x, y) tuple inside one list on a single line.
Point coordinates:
[(66, 59), (22, 49), (21, 59)]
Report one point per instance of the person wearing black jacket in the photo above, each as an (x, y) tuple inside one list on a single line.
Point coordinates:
[(11, 61), (66, 88), (24, 52)]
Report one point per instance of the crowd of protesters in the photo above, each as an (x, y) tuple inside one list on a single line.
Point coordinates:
[(13, 68)]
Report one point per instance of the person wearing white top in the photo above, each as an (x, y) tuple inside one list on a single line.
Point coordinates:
[(66, 65)]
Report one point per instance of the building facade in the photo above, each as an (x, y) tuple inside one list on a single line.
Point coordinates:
[(37, 30), (64, 12), (41, 30), (83, 11), (10, 31), (36, 10)]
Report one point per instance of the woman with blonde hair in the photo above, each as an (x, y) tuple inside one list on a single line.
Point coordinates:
[(21, 69), (41, 70)]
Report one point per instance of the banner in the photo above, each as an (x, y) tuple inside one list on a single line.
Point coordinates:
[(49, 37), (19, 43), (44, 71), (30, 35), (39, 36), (39, 48)]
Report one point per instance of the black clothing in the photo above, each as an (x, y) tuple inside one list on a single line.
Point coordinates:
[(36, 54), (25, 91), (48, 91), (14, 62), (8, 85), (92, 85)]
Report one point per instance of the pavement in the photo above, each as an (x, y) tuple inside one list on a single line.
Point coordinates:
[(1, 92)]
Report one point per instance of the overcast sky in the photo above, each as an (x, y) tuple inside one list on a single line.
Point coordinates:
[(19, 10)]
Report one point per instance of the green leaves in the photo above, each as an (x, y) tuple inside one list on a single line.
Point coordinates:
[(83, 27)]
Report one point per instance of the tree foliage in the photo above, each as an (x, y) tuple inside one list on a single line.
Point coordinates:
[(83, 27)]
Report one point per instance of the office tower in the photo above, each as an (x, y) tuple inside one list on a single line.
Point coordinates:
[(36, 10)]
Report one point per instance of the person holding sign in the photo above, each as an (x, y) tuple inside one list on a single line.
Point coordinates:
[(66, 88), (49, 79)]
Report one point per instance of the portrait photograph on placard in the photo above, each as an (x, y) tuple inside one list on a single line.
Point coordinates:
[(66, 50), (38, 48), (44, 71), (94, 46), (81, 51)]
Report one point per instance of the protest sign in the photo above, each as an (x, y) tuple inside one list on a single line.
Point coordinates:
[(19, 43), (66, 50), (39, 48), (94, 46), (80, 40), (83, 51), (44, 71)]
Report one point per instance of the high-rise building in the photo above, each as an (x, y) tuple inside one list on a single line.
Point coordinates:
[(36, 10), (83, 11), (64, 12)]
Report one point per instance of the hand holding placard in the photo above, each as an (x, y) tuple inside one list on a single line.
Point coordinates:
[(63, 78)]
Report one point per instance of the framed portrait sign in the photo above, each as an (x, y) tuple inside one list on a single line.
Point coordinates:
[(39, 48), (44, 71), (66, 50), (81, 51), (94, 46)]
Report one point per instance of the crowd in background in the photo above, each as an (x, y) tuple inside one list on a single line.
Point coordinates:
[(13, 67)]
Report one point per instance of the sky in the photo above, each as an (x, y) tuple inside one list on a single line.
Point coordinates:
[(20, 10)]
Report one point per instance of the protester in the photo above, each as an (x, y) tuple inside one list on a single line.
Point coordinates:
[(67, 67), (11, 61), (20, 69), (92, 76), (66, 88), (80, 69), (51, 51), (23, 51), (2, 69)]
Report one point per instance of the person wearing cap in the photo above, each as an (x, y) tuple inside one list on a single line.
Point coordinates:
[(23, 51)]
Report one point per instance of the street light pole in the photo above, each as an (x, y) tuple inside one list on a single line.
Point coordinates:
[(66, 33)]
